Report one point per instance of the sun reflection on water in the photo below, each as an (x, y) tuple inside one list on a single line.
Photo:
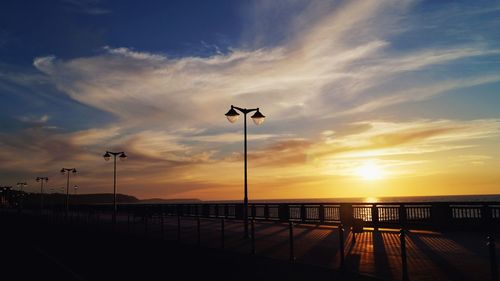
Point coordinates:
[(371, 200)]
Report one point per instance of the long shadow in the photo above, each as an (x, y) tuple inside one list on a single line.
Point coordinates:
[(448, 269), (285, 242), (244, 242), (382, 266), (318, 250), (478, 249)]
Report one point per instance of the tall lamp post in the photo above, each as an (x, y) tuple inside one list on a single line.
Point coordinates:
[(67, 171), (107, 156), (6, 195), (41, 180), (21, 185), (258, 118)]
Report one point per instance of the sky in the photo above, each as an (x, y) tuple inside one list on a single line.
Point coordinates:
[(362, 98)]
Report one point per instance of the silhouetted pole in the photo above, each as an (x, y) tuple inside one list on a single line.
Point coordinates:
[(20, 185), (404, 264), (258, 119), (252, 224), (128, 220), (198, 231), (222, 234), (245, 200), (292, 250), (178, 227), (67, 194), (41, 180), (493, 259), (67, 171), (162, 222), (114, 190), (107, 156), (341, 246)]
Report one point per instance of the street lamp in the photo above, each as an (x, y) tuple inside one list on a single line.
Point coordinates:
[(75, 188), (20, 185), (6, 195), (122, 157), (67, 171), (41, 180), (258, 118)]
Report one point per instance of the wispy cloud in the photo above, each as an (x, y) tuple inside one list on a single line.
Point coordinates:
[(334, 62)]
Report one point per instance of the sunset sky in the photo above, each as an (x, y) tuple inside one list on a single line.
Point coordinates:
[(362, 98)]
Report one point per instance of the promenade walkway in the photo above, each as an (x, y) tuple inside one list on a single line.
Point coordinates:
[(453, 256), (450, 256)]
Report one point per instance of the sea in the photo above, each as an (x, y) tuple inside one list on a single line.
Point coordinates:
[(399, 199)]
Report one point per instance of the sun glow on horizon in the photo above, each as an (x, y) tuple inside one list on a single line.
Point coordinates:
[(370, 171)]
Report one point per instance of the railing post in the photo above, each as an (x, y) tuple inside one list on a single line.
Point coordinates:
[(493, 259), (252, 226), (198, 231), (303, 213), (162, 222), (206, 210), (178, 228), (404, 263), (346, 214), (402, 216), (375, 217), (441, 215), (292, 252), (252, 211), (98, 219), (486, 216), (322, 213), (238, 211), (342, 246), (284, 212), (128, 221), (222, 233)]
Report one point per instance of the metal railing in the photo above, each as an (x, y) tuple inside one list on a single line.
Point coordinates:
[(450, 215), (439, 216)]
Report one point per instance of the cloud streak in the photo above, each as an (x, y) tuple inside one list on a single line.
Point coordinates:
[(337, 62)]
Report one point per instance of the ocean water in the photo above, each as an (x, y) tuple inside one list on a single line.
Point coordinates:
[(403, 199)]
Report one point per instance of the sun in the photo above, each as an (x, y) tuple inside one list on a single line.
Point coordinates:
[(370, 171)]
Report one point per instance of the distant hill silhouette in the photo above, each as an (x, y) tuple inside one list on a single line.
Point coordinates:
[(172, 201), (33, 199)]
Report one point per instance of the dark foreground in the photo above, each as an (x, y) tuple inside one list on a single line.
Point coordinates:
[(32, 250)]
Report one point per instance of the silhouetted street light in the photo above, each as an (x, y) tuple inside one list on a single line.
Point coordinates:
[(20, 185), (6, 194), (67, 171), (41, 180), (122, 157), (258, 118)]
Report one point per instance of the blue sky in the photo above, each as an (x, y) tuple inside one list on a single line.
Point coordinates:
[(411, 87)]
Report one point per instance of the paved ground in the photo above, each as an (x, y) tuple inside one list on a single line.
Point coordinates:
[(450, 256), (35, 250)]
